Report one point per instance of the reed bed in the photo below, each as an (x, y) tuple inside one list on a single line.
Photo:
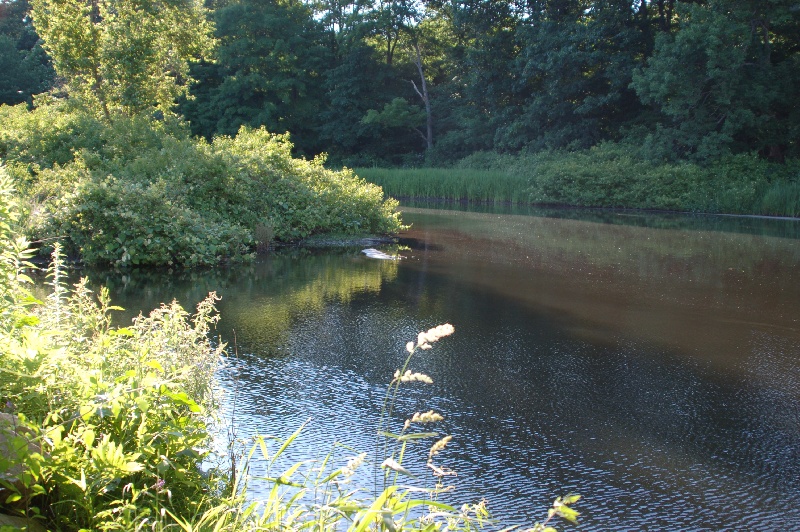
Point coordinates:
[(450, 183), (782, 199), (605, 176)]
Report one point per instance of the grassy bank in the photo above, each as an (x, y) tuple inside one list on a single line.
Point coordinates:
[(449, 183), (133, 190), (609, 175)]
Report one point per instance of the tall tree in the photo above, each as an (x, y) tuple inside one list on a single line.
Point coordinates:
[(726, 80), (389, 21), (127, 55), (268, 72), (360, 81), (481, 76), (25, 66)]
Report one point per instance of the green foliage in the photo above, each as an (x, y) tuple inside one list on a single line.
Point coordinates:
[(613, 175), (356, 83), (25, 72), (25, 66), (722, 81), (609, 175), (397, 113), (690, 80), (114, 420), (141, 192), (575, 65), (126, 55), (268, 73)]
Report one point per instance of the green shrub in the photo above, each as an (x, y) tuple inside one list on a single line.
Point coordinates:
[(117, 417), (136, 191), (612, 175)]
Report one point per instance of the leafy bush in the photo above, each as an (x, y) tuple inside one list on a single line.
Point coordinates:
[(143, 192), (613, 175), (117, 417)]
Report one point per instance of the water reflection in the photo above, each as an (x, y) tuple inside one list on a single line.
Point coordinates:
[(654, 370), (752, 225)]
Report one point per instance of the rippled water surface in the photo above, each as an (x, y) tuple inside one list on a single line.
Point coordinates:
[(650, 363)]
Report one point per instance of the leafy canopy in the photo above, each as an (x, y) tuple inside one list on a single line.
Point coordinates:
[(127, 55)]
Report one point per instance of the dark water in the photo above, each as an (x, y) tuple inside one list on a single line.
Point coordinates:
[(650, 363)]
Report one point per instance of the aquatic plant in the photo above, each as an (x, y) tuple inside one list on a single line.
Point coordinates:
[(455, 184)]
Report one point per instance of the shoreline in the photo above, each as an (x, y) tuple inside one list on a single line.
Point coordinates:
[(508, 203)]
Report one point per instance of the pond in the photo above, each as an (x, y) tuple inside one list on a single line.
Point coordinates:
[(648, 362)]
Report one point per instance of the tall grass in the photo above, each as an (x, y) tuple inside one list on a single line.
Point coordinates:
[(449, 183), (609, 175), (782, 199)]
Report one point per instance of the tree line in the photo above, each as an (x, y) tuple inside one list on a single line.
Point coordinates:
[(408, 82)]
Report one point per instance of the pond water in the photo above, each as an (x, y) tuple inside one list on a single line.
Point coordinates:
[(649, 362)]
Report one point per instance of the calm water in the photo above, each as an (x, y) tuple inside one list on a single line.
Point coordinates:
[(650, 363)]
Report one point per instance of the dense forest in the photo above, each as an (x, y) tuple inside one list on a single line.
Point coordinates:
[(401, 82)]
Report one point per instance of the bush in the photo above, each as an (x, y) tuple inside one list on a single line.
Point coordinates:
[(143, 192), (612, 175), (118, 417)]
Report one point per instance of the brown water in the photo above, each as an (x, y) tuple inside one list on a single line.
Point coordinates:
[(650, 363)]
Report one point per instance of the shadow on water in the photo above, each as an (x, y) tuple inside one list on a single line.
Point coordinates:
[(652, 367)]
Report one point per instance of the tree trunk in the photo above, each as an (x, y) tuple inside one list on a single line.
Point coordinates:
[(425, 97)]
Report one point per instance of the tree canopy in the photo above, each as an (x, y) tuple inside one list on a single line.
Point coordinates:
[(402, 81), (128, 55)]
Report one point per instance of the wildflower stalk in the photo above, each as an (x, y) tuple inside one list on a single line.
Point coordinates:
[(403, 375)]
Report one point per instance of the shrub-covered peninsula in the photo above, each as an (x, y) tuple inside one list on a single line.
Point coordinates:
[(134, 190)]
